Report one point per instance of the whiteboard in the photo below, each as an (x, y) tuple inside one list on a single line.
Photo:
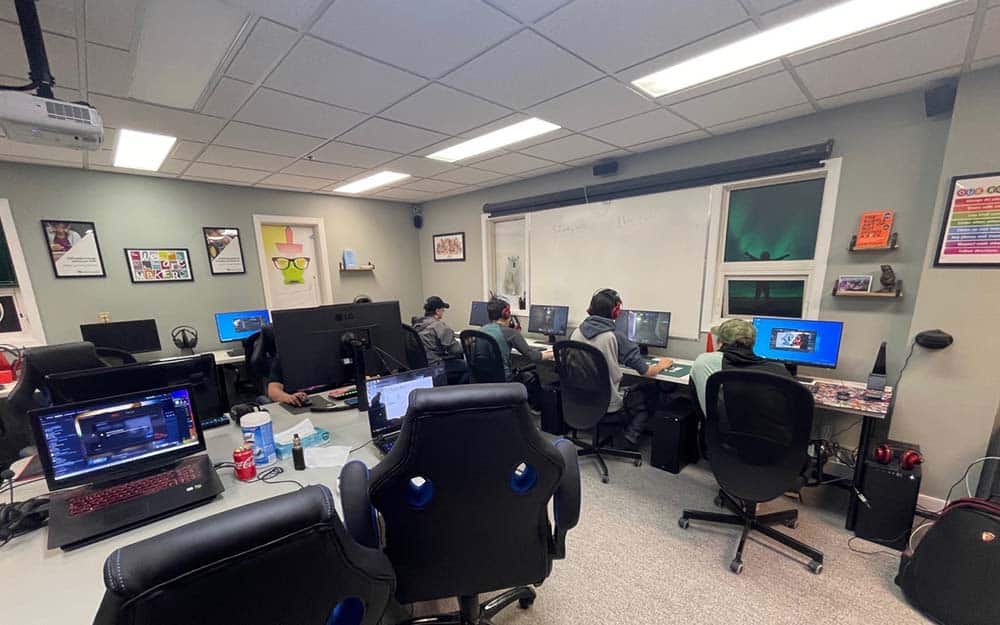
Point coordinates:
[(650, 248)]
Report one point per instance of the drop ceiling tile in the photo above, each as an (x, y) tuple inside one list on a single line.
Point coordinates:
[(288, 112), (522, 71), (235, 183), (12, 150), (221, 155), (924, 51), (355, 155), (173, 166), (221, 172), (429, 37), (989, 37), (324, 72), (614, 38), (229, 94), (984, 63), (512, 163), (297, 182), (119, 113), (468, 175), (445, 110), (641, 128), (267, 43), (419, 166), (528, 10), (763, 6), (587, 161), (890, 88), (431, 186), (686, 137), (295, 13), (552, 169), (568, 148), (387, 135), (764, 119), (109, 70), (411, 195), (239, 135), (60, 50), (329, 171), (753, 98), (111, 22), (183, 150), (596, 104), (56, 16)]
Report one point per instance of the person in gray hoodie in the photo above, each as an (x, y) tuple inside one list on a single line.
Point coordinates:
[(598, 329), (440, 342)]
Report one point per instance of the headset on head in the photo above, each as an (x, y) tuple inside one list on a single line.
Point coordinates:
[(613, 295)]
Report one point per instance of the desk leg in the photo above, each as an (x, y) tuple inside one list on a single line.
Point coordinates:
[(864, 442)]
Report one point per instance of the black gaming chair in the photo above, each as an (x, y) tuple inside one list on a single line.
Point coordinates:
[(757, 430), (260, 353), (31, 390), (416, 357), (463, 499), (482, 354), (286, 559), (586, 393)]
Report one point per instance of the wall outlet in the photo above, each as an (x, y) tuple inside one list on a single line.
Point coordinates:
[(104, 317)]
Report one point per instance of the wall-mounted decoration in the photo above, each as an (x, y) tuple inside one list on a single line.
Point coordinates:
[(874, 231), (449, 247), (854, 284), (970, 230), (292, 268), (225, 250), (159, 265), (73, 248)]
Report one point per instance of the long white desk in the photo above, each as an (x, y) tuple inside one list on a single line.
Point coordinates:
[(222, 357), (43, 586)]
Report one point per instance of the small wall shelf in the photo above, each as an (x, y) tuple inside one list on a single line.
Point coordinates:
[(894, 294), (893, 244), (360, 268)]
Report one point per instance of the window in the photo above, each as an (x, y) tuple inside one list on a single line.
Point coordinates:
[(20, 323), (506, 260), (770, 239)]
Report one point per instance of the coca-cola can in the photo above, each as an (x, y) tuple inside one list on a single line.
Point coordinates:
[(246, 468)]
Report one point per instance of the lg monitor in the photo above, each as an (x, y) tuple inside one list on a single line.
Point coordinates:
[(236, 326), (647, 328), (134, 337), (548, 320), (478, 315), (798, 341)]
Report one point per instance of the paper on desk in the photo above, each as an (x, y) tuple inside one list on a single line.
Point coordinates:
[(303, 428), (326, 457)]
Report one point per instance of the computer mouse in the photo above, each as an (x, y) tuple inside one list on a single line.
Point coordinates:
[(306, 402), (843, 395)]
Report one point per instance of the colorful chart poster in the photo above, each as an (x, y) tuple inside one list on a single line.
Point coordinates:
[(159, 265), (874, 230), (970, 231)]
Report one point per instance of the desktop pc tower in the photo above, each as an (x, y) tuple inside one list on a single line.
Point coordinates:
[(892, 496)]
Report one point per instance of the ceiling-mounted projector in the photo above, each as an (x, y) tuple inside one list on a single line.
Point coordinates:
[(33, 119)]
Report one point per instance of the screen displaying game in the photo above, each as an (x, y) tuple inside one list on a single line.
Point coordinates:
[(798, 341)]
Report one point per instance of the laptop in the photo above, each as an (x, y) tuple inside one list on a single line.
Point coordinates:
[(116, 463), (388, 399)]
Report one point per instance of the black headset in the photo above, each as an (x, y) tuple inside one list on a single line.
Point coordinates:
[(185, 337)]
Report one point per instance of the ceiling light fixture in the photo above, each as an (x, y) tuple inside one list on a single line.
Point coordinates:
[(494, 140), (142, 150), (837, 22), (380, 179)]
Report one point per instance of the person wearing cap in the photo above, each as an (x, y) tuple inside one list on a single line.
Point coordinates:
[(598, 329), (440, 342), (508, 338), (735, 338)]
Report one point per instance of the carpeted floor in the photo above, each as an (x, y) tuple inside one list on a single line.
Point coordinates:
[(628, 562)]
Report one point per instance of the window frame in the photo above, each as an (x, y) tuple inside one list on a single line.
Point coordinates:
[(32, 331), (489, 257)]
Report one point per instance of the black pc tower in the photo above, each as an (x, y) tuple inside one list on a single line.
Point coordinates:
[(892, 494)]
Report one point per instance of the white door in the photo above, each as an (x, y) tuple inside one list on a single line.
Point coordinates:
[(293, 261)]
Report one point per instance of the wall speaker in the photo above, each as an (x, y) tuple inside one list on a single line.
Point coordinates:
[(940, 100), (418, 217), (607, 168)]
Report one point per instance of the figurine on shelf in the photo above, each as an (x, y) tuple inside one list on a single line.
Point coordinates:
[(888, 279)]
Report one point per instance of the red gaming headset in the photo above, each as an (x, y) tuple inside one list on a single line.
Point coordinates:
[(908, 458)]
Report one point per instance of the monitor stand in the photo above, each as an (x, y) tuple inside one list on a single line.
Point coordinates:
[(552, 339), (644, 350), (236, 351), (794, 371)]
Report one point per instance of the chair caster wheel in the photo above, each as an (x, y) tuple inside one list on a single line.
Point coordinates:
[(793, 524), (816, 567), (605, 479), (718, 501), (525, 603), (736, 566), (638, 462), (683, 523)]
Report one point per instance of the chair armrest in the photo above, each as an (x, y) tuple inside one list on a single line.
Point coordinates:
[(566, 503), (359, 515), (525, 368)]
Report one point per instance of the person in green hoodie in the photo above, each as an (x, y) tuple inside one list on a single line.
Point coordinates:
[(508, 338)]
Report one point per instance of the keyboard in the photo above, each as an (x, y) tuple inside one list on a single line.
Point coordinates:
[(143, 487), (208, 423)]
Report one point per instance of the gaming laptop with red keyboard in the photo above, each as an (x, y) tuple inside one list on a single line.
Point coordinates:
[(133, 458)]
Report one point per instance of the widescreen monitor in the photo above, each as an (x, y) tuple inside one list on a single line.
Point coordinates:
[(478, 315), (548, 320), (798, 341), (647, 328), (134, 337), (238, 325)]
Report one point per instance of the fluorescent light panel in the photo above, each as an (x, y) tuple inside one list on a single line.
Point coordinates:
[(141, 150), (380, 179), (837, 22), (494, 140)]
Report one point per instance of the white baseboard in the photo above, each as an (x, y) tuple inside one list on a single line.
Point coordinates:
[(932, 504)]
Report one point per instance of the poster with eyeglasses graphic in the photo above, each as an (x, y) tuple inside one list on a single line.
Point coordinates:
[(291, 276), (159, 264)]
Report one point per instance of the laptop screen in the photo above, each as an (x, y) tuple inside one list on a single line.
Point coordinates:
[(389, 396), (80, 443)]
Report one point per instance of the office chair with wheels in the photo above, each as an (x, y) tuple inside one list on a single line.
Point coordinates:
[(463, 499), (482, 354), (586, 393), (286, 559), (416, 357), (757, 431)]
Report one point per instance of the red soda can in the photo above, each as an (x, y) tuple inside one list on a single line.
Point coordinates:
[(246, 468)]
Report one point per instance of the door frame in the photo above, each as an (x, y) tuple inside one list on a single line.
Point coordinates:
[(322, 266)]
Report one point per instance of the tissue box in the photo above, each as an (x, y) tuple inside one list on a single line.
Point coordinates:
[(316, 439)]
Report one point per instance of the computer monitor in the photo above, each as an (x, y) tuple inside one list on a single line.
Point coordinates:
[(647, 328), (97, 440), (549, 320), (312, 349), (387, 399), (236, 326), (197, 372), (134, 337), (798, 341), (478, 316)]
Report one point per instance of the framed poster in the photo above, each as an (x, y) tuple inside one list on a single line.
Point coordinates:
[(449, 247), (970, 229), (73, 248), (855, 284), (225, 250), (874, 230), (159, 265)]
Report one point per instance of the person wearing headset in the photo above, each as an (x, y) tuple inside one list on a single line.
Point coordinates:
[(598, 330), (508, 338)]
